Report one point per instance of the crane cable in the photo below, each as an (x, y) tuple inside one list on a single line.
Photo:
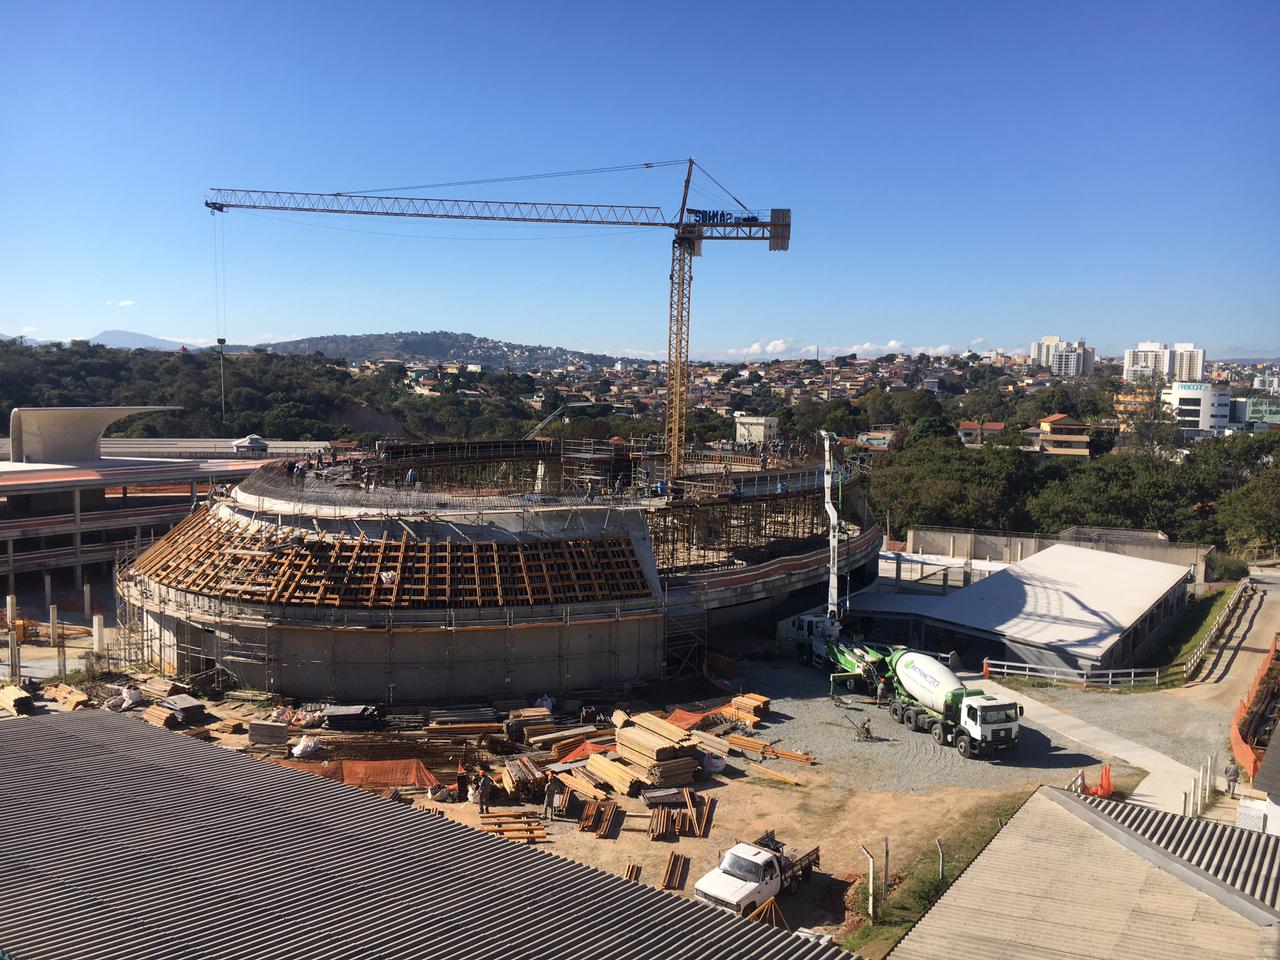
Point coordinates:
[(529, 176)]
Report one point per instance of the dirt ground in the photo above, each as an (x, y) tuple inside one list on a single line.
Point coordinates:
[(805, 816)]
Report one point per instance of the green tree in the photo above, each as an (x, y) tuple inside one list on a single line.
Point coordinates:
[(1251, 513)]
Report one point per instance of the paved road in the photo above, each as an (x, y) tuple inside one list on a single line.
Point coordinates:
[(1166, 780)]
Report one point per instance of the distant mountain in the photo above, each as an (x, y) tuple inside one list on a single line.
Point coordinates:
[(128, 340), (441, 346)]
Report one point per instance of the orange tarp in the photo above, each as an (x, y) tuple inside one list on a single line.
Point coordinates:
[(368, 773), (584, 750), (686, 719)]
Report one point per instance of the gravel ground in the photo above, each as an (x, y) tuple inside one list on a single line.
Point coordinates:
[(803, 717), (1174, 725)]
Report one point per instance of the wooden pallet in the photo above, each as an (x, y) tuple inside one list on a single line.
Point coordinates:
[(610, 817)]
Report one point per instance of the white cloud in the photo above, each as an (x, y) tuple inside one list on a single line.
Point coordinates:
[(777, 346), (977, 341), (126, 303), (194, 341), (29, 329)]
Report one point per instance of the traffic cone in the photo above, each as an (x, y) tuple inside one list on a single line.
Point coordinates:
[(986, 668)]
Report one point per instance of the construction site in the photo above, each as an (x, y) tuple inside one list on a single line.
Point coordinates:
[(439, 571)]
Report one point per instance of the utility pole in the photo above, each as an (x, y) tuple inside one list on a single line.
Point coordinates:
[(222, 376)]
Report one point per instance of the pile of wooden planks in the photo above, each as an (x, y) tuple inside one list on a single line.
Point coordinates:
[(15, 700), (688, 816), (514, 826), (157, 688), (765, 749), (662, 823), (584, 788), (673, 873), (546, 741), (522, 778), (160, 716), (621, 777), (467, 713), (268, 732), (528, 721), (601, 817), (665, 755), (752, 703), (632, 873), (72, 698)]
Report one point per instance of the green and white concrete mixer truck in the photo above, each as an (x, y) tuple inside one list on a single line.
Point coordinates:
[(927, 696)]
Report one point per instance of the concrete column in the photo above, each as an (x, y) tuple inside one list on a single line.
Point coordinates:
[(137, 537), (12, 576), (48, 589), (99, 635), (88, 601), (945, 577), (897, 572), (57, 642), (10, 609), (15, 656), (951, 547)]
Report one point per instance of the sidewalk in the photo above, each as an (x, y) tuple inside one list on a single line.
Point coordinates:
[(1167, 779)]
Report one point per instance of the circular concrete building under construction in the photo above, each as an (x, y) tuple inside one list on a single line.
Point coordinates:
[(441, 571)]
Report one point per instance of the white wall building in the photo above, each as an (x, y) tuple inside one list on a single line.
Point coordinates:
[(1201, 407), (1186, 363), (1066, 358), (755, 429), (1149, 360)]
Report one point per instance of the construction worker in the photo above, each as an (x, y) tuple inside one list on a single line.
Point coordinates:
[(484, 789), (1232, 773), (550, 791), (880, 692), (866, 728)]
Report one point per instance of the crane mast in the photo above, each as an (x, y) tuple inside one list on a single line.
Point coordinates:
[(691, 227)]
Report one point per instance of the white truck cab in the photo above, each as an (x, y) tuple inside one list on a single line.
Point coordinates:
[(751, 873), (990, 721)]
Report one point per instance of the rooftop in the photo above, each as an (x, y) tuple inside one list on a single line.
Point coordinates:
[(129, 817), (1073, 599), (1066, 878)]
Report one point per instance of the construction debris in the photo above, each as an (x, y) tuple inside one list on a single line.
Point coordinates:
[(71, 698), (673, 873)]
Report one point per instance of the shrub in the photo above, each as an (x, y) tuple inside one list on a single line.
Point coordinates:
[(1224, 566)]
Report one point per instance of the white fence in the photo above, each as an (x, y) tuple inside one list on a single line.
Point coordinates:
[(1131, 677)]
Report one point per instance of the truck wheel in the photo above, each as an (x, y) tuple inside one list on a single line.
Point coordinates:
[(964, 746), (939, 733), (909, 718), (803, 656), (895, 711)]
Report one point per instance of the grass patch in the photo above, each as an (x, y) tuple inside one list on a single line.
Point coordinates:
[(1189, 629), (920, 886)]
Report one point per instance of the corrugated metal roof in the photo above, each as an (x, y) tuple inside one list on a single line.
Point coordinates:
[(1246, 860), (147, 844)]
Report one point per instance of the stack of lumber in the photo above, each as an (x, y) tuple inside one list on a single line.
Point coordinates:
[(633, 872), (522, 779), (186, 708), (528, 721), (462, 729), (268, 732), (545, 741), (349, 718), (510, 704), (621, 777), (600, 817), (514, 826), (15, 700), (467, 713), (752, 703), (708, 743), (665, 755), (673, 873), (662, 823), (584, 788), (766, 749), (401, 722), (745, 717), (161, 716), (157, 688), (72, 698), (228, 725)]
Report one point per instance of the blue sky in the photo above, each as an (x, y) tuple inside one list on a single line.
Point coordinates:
[(958, 172)]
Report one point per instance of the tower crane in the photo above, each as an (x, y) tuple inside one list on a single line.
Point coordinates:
[(691, 227)]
